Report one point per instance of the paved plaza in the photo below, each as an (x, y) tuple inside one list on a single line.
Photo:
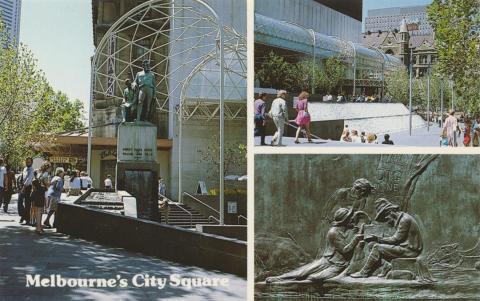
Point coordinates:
[(22, 252)]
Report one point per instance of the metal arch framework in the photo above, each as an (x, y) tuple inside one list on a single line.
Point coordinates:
[(203, 104), (173, 37), (176, 39)]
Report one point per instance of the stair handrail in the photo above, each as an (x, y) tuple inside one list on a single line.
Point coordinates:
[(214, 218), (197, 200), (241, 216), (178, 206)]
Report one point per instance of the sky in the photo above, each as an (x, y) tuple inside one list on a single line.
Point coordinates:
[(60, 35)]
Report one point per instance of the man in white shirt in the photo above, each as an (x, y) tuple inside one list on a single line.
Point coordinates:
[(108, 182), (85, 181), (279, 114), (355, 137), (449, 128)]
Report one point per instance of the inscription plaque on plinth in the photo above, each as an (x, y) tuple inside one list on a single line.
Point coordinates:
[(137, 142), (137, 168)]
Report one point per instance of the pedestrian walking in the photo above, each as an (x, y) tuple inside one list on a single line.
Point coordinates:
[(260, 117), (38, 201), (24, 201), (54, 195), (108, 182), (303, 116), (466, 133), (476, 133), (3, 183), (161, 188), (10, 187), (450, 127), (279, 114), (164, 209)]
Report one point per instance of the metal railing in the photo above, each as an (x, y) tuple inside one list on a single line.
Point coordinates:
[(180, 207), (241, 216), (198, 201), (214, 218)]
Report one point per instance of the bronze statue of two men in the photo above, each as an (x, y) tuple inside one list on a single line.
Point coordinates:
[(138, 97), (339, 249)]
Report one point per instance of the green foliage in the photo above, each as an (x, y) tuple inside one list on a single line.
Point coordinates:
[(274, 72), (397, 85), (235, 157), (397, 89), (456, 24), (333, 73), (30, 111), (325, 75)]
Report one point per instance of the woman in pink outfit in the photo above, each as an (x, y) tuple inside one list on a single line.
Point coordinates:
[(303, 116)]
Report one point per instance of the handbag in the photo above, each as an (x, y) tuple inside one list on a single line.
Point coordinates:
[(259, 117), (305, 113)]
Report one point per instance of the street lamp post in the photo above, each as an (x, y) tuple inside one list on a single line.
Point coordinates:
[(441, 102), (428, 97), (410, 91)]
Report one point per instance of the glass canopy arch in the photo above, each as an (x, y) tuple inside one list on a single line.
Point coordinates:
[(363, 63)]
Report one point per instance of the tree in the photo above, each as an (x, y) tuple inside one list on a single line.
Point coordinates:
[(456, 24), (333, 72), (324, 75), (396, 85), (274, 72), (235, 157), (397, 88), (30, 111)]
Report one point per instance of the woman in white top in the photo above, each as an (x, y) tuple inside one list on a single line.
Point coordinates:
[(75, 185)]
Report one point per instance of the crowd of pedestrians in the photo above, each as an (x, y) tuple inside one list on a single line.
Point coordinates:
[(452, 131), (39, 191), (341, 98)]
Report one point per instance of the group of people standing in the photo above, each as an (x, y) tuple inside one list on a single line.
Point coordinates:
[(279, 114), (451, 132), (39, 191), (355, 136)]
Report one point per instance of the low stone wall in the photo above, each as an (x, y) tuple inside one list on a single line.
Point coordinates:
[(232, 231), (163, 241)]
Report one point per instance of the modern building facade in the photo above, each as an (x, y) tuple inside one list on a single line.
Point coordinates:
[(10, 10), (389, 19), (302, 29)]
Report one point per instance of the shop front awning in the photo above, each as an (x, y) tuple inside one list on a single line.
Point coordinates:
[(81, 138)]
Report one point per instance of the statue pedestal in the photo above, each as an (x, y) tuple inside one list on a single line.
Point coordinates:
[(137, 168)]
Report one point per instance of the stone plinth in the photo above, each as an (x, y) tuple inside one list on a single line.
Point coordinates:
[(137, 169), (137, 141)]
